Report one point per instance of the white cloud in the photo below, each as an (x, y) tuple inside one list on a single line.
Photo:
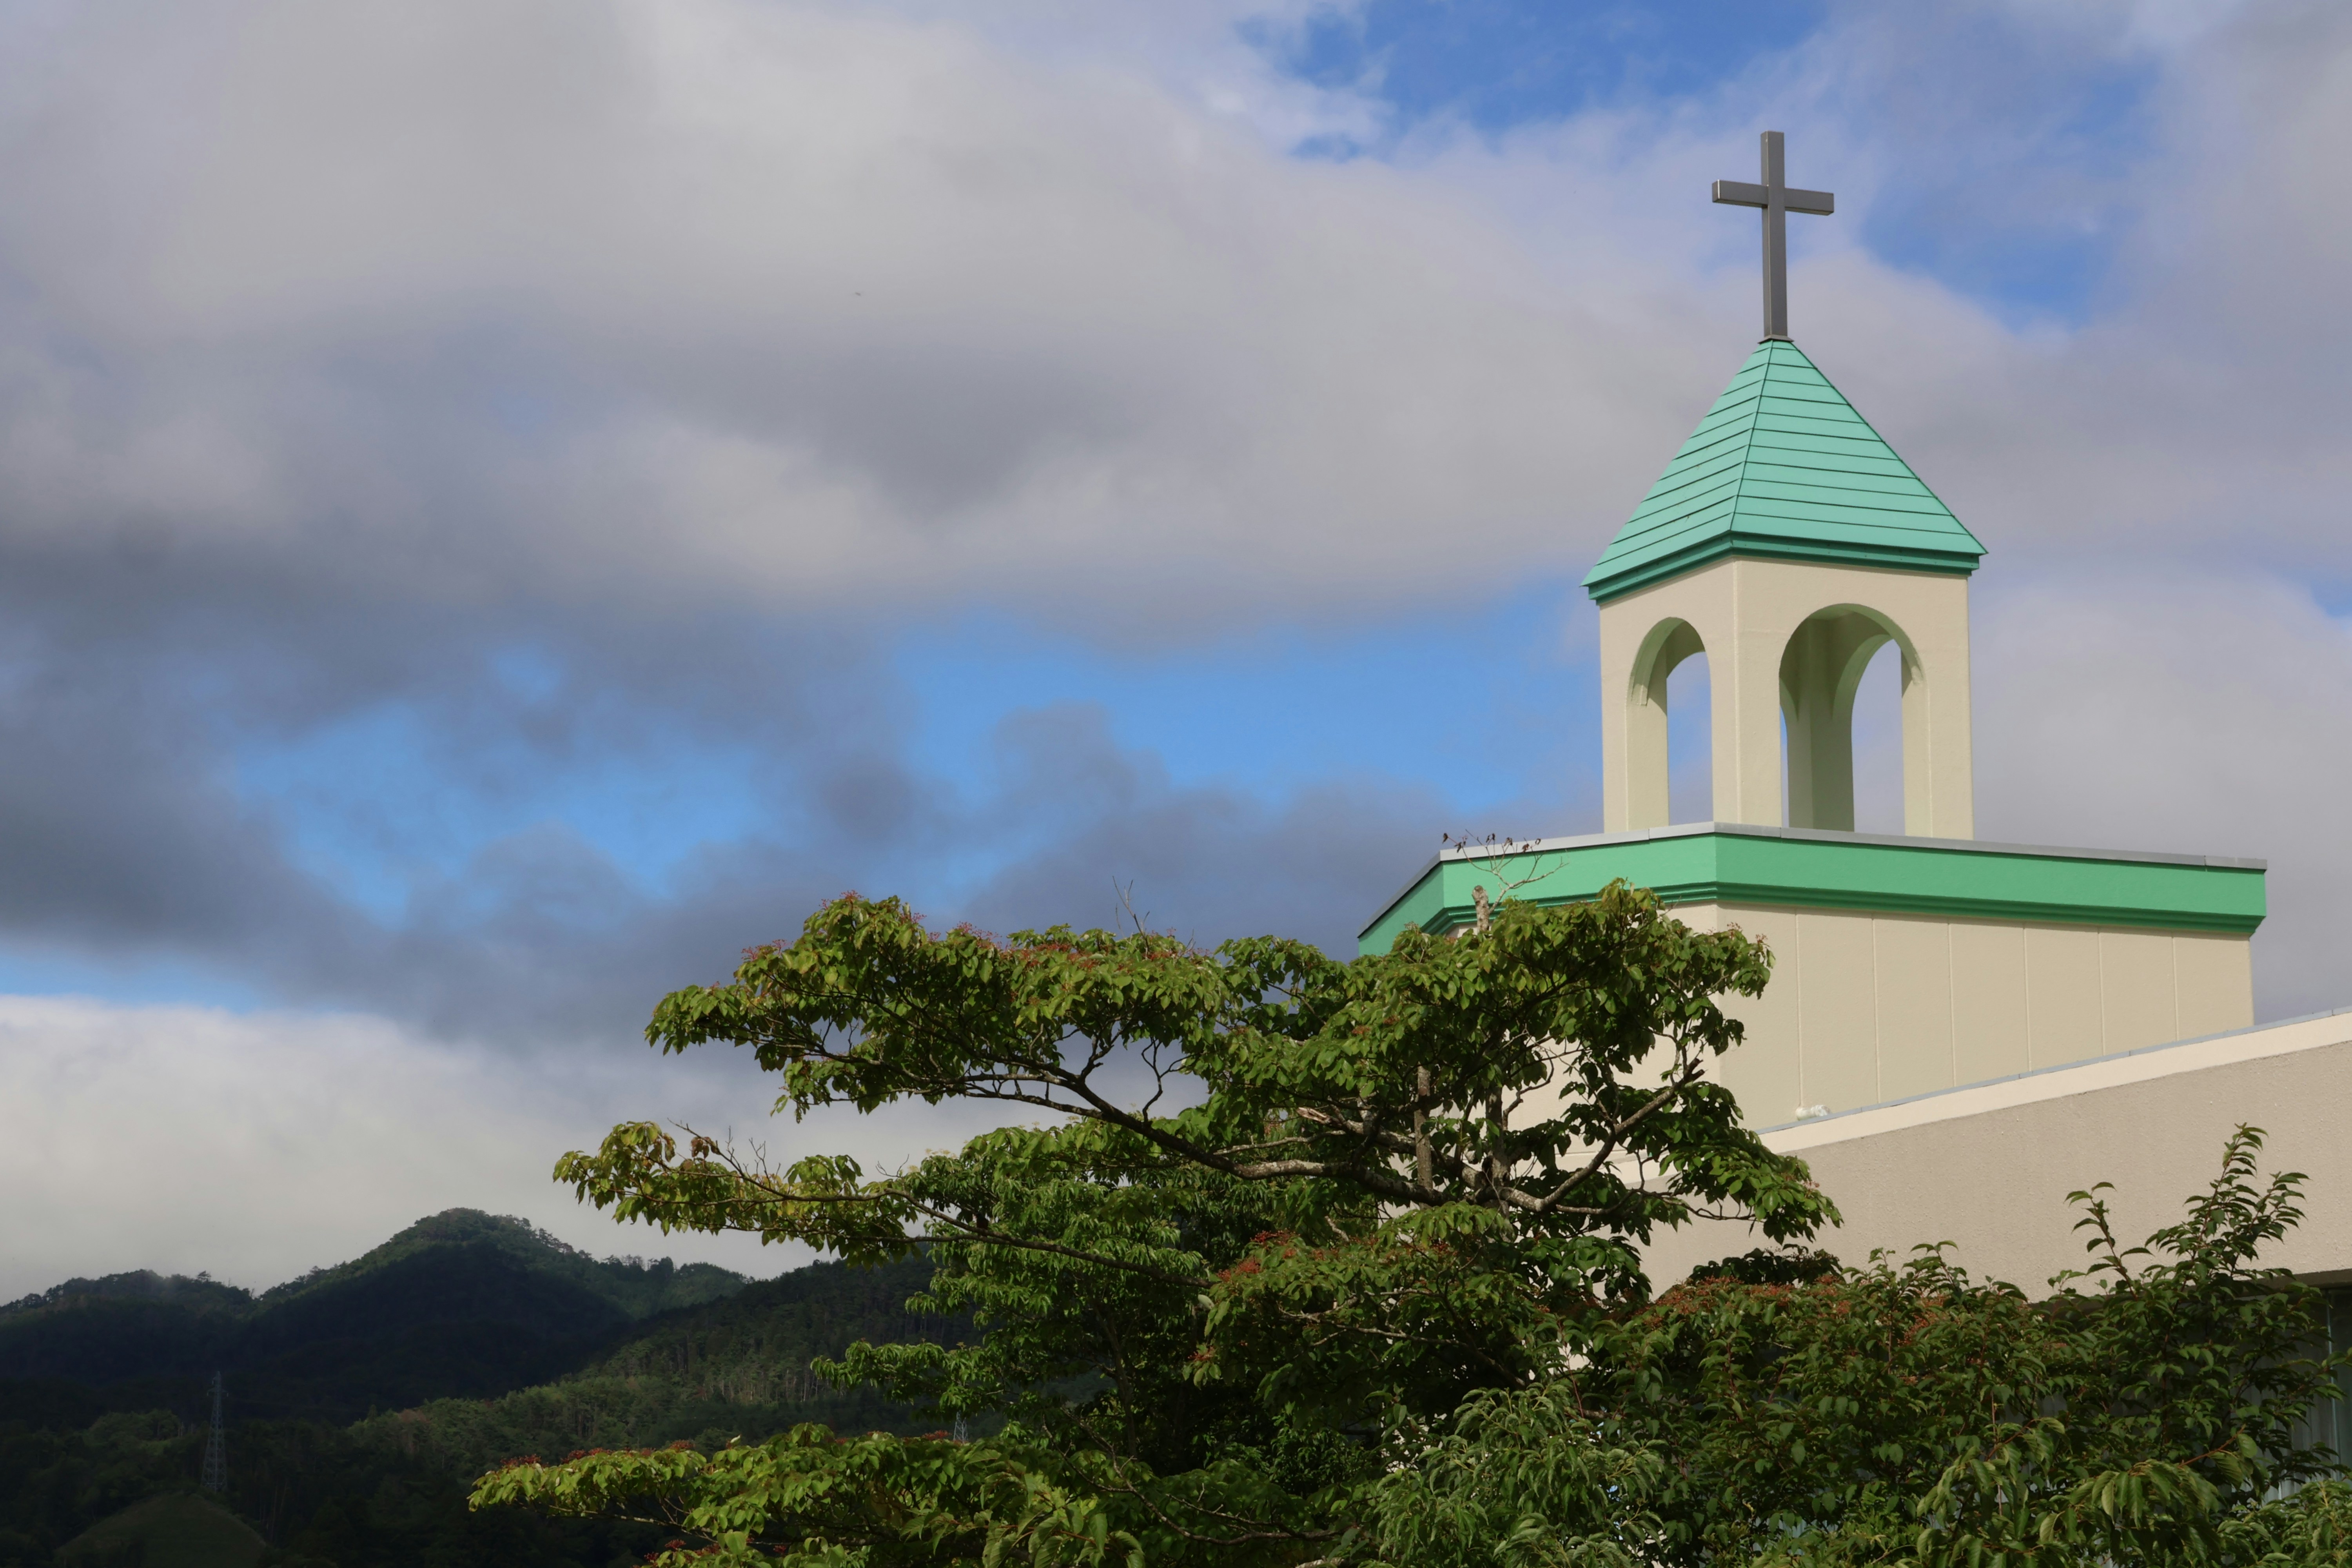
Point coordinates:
[(256, 1146), (776, 303), (770, 301), (709, 297), (2191, 713)]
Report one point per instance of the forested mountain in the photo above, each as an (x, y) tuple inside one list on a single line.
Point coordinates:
[(364, 1399), (461, 1304), (736, 1367)]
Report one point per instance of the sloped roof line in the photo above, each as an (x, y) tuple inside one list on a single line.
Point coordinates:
[(1826, 486)]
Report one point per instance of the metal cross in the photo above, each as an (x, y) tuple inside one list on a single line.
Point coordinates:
[(1777, 200)]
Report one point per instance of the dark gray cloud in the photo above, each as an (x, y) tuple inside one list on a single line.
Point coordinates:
[(1204, 863), (123, 831)]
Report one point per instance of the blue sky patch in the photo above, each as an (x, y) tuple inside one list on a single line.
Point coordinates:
[(1496, 65)]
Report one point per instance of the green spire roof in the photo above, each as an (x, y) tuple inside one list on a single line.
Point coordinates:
[(1783, 468)]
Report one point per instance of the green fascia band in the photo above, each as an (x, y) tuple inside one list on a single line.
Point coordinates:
[(1940, 878), (1649, 573)]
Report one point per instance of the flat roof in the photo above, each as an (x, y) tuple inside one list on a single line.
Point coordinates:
[(1961, 847)]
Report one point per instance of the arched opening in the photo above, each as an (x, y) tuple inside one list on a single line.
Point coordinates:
[(1878, 743), (1690, 742), (1823, 671), (1669, 730)]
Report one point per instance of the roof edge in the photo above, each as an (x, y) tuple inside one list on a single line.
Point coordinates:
[(1927, 850), (1617, 584)]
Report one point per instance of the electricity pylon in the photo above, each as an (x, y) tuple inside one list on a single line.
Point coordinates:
[(215, 1476)]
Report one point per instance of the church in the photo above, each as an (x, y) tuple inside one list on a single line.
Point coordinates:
[(1957, 1034)]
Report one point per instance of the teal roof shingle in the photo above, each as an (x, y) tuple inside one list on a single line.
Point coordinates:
[(1784, 469)]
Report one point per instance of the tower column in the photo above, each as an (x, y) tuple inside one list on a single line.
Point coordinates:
[(1747, 697), (1938, 755)]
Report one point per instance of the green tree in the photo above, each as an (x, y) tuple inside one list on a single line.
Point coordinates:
[(1318, 1263), (1910, 1414)]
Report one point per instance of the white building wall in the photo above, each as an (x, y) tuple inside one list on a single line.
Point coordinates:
[(1865, 1008), (1988, 1167)]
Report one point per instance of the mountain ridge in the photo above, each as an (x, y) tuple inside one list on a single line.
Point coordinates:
[(459, 1304), (364, 1399), (694, 1281)]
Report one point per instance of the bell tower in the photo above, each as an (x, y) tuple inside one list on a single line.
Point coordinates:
[(1789, 544)]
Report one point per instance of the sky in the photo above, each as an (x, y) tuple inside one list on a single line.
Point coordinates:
[(506, 503)]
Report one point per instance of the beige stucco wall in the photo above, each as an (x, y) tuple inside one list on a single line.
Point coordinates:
[(1744, 612), (1864, 1007), (1989, 1167)]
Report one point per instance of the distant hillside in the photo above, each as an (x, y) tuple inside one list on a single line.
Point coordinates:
[(176, 1529), (734, 1367), (460, 1304), (631, 1285), (754, 1347), (364, 1399), (117, 1492)]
